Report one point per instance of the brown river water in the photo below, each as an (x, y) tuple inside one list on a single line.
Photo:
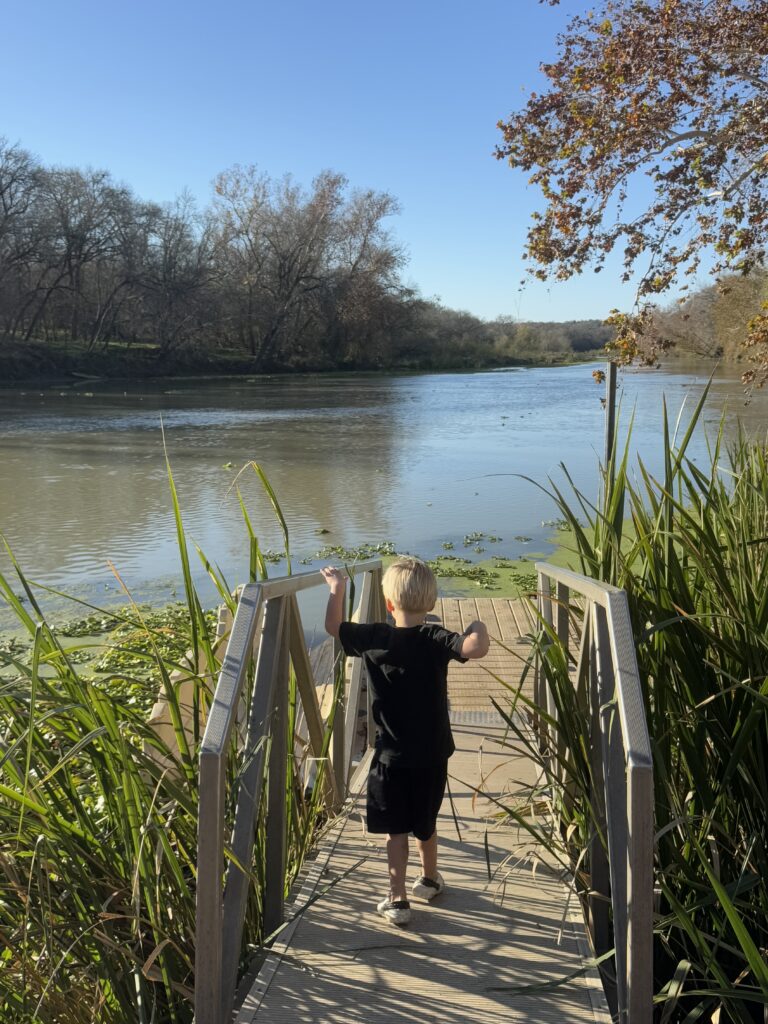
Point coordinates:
[(418, 460)]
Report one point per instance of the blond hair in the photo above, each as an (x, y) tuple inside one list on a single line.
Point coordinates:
[(410, 585)]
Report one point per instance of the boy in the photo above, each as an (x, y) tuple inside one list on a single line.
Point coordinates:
[(407, 672)]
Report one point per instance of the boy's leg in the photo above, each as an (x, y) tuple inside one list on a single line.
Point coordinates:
[(428, 855), (431, 883), (397, 858), (430, 787)]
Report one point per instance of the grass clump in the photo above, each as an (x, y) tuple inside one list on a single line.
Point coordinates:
[(98, 860)]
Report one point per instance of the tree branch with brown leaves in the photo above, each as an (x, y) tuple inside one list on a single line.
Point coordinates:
[(670, 91)]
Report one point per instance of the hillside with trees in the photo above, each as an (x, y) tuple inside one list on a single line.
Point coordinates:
[(714, 320), (270, 276)]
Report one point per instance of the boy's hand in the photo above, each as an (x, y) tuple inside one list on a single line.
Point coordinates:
[(335, 578), (334, 613), (477, 640)]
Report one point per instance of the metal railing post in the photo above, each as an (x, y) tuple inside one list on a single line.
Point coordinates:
[(615, 788), (622, 797), (211, 797), (600, 885), (305, 685), (337, 738), (351, 723), (545, 697), (208, 911), (249, 795), (276, 838), (562, 595), (637, 941)]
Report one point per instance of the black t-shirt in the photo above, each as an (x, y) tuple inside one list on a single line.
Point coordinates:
[(407, 670)]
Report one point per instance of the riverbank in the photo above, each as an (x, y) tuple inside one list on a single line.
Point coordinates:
[(38, 364), (35, 363)]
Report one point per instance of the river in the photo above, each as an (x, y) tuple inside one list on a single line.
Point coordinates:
[(418, 460)]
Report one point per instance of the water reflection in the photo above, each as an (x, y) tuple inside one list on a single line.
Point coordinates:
[(415, 459)]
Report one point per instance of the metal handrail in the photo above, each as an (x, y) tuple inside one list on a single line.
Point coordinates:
[(266, 626), (623, 769)]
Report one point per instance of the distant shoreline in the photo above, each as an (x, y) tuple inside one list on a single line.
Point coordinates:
[(37, 364)]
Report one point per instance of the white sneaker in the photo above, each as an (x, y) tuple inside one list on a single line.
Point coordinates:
[(427, 888), (396, 911)]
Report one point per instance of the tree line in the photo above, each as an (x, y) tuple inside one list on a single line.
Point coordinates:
[(284, 276), (714, 320)]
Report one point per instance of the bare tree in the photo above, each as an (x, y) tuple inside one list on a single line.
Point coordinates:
[(179, 269), (304, 270), (18, 180)]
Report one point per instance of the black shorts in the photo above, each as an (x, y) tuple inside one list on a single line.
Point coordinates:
[(404, 797)]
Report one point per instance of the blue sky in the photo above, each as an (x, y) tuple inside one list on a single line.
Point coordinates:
[(400, 97)]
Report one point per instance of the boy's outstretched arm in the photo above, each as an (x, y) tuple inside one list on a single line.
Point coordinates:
[(476, 641), (334, 612)]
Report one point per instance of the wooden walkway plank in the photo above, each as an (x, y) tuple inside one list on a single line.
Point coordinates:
[(450, 614), (468, 612), (471, 686), (524, 611), (463, 956), (487, 612), (509, 629)]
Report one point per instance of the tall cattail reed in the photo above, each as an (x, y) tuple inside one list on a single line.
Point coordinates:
[(691, 549)]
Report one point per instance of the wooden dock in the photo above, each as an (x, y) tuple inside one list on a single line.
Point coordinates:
[(471, 686), (488, 949)]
